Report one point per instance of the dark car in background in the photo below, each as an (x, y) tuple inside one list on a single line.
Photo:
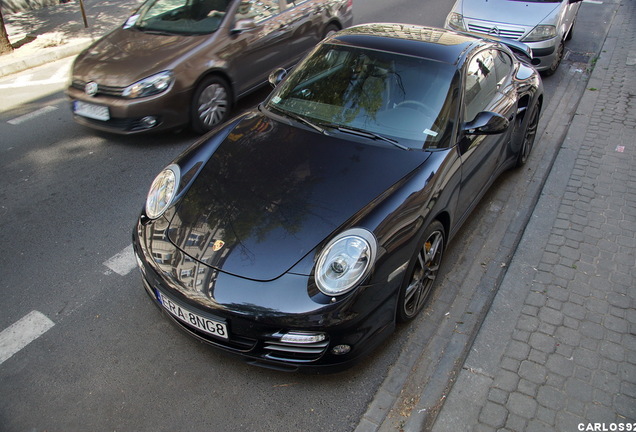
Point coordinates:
[(299, 233), (179, 62)]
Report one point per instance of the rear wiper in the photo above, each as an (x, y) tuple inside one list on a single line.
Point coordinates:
[(371, 135)]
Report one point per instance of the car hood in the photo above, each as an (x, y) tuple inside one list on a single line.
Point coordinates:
[(508, 11), (125, 56), (272, 192)]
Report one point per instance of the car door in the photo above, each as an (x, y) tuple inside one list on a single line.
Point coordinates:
[(258, 43), (307, 22), (482, 155)]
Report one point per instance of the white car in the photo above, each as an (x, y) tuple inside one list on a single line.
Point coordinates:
[(542, 25)]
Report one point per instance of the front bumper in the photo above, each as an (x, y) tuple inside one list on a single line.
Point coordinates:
[(543, 52), (129, 116), (255, 326)]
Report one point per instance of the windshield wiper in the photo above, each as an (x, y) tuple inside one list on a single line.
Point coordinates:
[(155, 32), (300, 119), (371, 135)]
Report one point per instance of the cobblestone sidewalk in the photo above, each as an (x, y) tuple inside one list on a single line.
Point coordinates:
[(558, 349)]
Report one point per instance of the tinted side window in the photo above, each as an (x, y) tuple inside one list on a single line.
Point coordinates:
[(481, 84)]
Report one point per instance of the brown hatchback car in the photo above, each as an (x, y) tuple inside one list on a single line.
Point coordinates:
[(176, 62)]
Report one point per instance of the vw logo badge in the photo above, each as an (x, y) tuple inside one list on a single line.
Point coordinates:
[(91, 88), (494, 31)]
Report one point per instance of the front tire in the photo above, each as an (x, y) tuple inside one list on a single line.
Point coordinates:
[(529, 136), (421, 273), (211, 104), (560, 50)]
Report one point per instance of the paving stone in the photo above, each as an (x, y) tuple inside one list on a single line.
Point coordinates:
[(498, 396), (493, 415), (560, 365), (538, 426), (551, 397), (612, 351), (625, 406), (506, 380), (547, 416), (542, 342), (578, 390), (551, 316), (527, 388), (521, 405), (516, 423)]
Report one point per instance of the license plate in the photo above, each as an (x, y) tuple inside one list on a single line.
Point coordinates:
[(97, 112), (204, 324)]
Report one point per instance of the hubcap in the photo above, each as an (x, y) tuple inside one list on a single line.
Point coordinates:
[(213, 104), (424, 274)]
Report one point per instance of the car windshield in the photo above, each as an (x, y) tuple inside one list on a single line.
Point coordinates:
[(183, 17), (408, 99)]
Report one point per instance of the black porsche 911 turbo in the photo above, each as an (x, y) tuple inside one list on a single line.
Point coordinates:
[(299, 233)]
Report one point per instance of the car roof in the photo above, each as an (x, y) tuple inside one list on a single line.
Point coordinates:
[(427, 42)]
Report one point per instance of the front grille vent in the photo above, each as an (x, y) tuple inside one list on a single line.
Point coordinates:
[(507, 32), (286, 351), (101, 89)]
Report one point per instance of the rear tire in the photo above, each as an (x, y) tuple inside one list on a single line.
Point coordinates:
[(211, 104), (421, 273)]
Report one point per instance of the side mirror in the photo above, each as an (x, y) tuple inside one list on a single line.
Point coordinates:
[(486, 123), (277, 76), (243, 25)]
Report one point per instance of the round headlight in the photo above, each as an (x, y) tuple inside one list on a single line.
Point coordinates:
[(162, 191), (345, 261), (455, 21)]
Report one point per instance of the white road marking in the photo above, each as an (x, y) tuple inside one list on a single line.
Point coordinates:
[(122, 263), (23, 80), (22, 333), (31, 116), (19, 83), (593, 1)]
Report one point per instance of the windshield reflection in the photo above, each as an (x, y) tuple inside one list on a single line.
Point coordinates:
[(402, 97), (184, 17)]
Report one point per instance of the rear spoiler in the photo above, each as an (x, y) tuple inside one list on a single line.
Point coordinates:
[(516, 46)]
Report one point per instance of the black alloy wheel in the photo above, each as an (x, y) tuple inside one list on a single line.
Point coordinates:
[(421, 273), (529, 135), (211, 104)]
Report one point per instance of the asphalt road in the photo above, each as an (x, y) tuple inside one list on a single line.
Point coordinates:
[(102, 358)]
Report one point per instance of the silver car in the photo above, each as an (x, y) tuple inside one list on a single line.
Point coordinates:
[(542, 25)]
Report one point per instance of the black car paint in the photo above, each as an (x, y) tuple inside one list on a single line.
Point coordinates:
[(423, 185)]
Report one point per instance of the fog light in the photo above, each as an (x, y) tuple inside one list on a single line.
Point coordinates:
[(536, 61), (148, 122), (341, 349), (302, 338)]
